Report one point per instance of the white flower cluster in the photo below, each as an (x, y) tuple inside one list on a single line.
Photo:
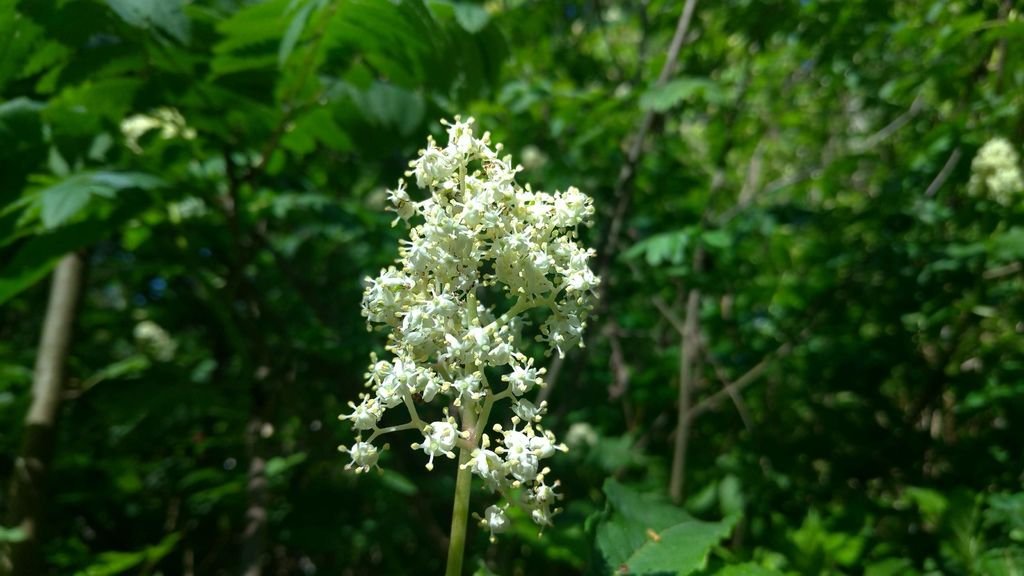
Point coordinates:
[(482, 244), (995, 172)]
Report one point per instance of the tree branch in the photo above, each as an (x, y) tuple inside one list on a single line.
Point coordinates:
[(742, 382), (27, 495)]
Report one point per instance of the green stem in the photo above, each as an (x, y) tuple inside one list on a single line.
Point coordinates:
[(463, 485)]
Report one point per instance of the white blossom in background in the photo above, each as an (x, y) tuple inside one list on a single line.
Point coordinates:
[(168, 121), (155, 340), (487, 264), (995, 172)]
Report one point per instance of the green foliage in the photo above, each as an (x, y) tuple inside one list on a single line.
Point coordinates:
[(222, 164), (113, 563), (645, 534)]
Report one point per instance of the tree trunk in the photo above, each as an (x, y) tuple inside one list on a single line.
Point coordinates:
[(28, 483)]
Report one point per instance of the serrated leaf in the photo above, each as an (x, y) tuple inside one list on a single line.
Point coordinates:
[(680, 549), (251, 38), (646, 534)]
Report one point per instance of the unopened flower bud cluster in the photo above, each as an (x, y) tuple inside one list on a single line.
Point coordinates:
[(996, 173), (482, 252)]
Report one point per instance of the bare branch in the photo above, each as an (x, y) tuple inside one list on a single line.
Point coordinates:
[(742, 382), (891, 128), (943, 174)]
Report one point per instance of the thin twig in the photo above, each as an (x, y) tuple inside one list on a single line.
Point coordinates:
[(943, 174), (890, 128), (742, 382), (737, 399), (1002, 271), (669, 315)]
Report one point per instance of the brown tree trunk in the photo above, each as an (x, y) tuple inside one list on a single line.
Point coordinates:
[(28, 483)]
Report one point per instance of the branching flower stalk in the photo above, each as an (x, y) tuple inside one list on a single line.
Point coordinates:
[(487, 264)]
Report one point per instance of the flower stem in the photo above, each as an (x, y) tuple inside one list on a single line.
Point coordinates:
[(463, 486)]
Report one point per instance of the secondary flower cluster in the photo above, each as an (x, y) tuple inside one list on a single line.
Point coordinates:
[(995, 172), (482, 252)]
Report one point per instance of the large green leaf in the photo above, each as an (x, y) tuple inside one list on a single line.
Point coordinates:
[(62, 201), (646, 534)]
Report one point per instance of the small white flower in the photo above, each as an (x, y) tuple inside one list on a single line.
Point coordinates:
[(438, 440), (524, 378), (495, 520), (527, 411), (401, 202), (364, 456), (366, 415)]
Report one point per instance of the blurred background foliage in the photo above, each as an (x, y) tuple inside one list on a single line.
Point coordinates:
[(811, 336)]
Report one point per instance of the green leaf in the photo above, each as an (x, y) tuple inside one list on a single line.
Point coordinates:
[(662, 98), (747, 569), (391, 106), (113, 563), (646, 534), (680, 549), (660, 249), (10, 535), (717, 239), (1001, 562), (1008, 245), (294, 32), (168, 16), (252, 39), (62, 201), (278, 465), (891, 567), (130, 366), (472, 17), (398, 482)]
